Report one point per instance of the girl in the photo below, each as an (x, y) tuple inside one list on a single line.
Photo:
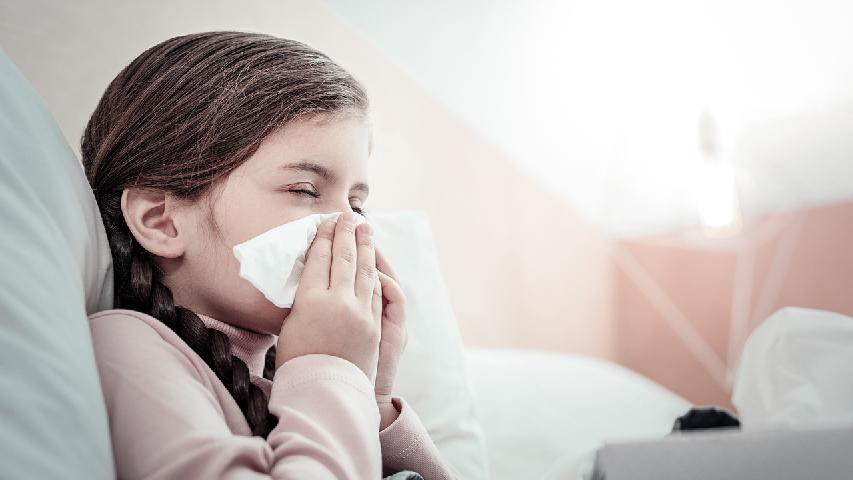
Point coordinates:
[(201, 143)]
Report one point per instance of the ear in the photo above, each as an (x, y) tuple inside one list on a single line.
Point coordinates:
[(152, 218)]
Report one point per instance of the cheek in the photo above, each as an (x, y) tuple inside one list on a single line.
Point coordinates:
[(235, 297), (254, 213), (241, 218)]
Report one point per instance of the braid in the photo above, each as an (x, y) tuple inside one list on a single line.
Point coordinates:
[(138, 286), (269, 364)]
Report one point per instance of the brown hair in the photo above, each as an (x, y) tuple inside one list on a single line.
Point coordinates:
[(182, 116)]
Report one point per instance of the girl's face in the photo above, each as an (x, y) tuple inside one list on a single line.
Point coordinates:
[(316, 165)]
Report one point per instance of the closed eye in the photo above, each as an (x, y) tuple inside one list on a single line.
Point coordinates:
[(358, 210), (306, 192)]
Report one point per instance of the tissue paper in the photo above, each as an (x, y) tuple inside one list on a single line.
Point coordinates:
[(796, 371), (273, 261)]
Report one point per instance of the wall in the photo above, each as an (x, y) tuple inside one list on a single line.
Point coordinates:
[(722, 290)]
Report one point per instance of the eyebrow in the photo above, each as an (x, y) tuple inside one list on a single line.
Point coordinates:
[(324, 173)]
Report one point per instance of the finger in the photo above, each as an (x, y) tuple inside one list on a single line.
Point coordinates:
[(366, 273), (319, 258), (393, 303), (344, 253), (383, 265), (391, 289), (376, 302)]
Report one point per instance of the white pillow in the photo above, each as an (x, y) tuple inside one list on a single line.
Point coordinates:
[(432, 375), (545, 414), (55, 265)]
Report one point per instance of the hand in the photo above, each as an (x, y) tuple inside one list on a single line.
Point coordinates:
[(337, 306), (394, 335)]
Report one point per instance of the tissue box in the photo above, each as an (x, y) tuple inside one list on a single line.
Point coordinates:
[(732, 454)]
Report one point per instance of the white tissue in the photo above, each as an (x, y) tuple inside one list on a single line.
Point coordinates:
[(795, 371), (273, 261)]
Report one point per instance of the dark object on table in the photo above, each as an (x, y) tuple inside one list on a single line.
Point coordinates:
[(705, 418)]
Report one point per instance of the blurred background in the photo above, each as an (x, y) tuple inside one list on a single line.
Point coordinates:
[(643, 182)]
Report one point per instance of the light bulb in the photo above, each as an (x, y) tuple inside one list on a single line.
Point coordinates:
[(716, 198), (715, 188)]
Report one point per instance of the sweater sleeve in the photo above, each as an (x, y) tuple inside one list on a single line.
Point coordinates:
[(165, 421), (406, 445)]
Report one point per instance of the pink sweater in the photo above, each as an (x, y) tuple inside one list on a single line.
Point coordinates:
[(171, 417)]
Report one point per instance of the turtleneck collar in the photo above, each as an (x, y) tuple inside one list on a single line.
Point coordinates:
[(249, 346)]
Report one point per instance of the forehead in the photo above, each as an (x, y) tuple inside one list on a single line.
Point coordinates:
[(341, 143)]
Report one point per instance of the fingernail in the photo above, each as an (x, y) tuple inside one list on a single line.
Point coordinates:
[(349, 217), (367, 229)]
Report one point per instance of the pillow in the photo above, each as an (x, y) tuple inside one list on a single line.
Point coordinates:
[(545, 414), (55, 264), (432, 374)]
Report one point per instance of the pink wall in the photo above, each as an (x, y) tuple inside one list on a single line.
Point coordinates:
[(800, 259), (523, 270)]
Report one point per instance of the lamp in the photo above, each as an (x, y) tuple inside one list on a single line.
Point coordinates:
[(715, 190)]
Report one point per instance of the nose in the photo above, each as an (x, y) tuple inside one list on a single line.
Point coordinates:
[(342, 207)]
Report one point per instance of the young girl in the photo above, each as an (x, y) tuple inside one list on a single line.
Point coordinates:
[(201, 143)]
